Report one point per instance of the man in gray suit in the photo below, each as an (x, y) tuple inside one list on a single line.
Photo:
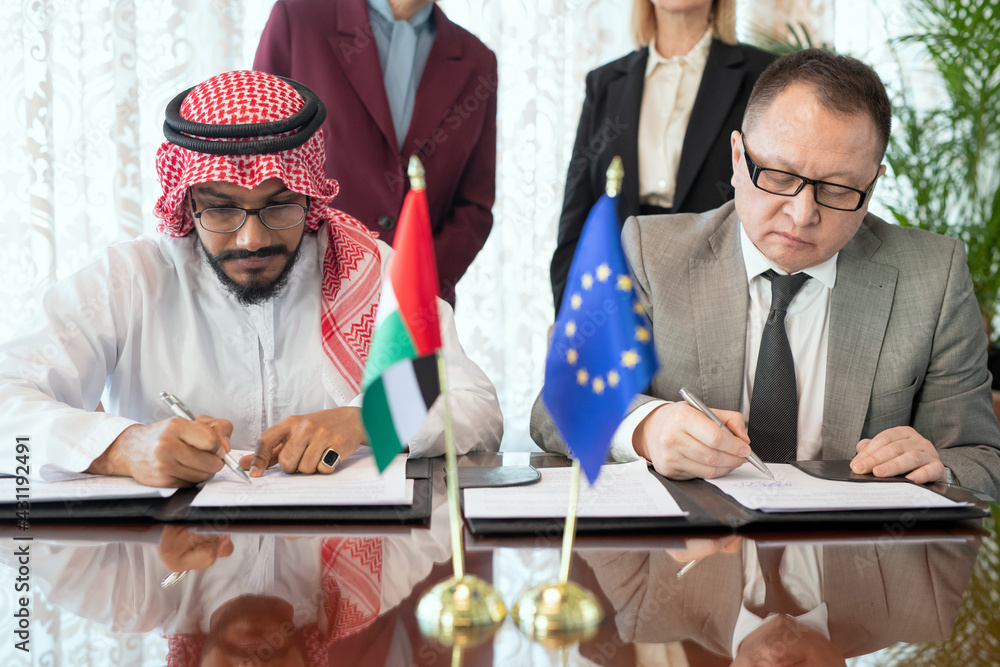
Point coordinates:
[(887, 339), (849, 598)]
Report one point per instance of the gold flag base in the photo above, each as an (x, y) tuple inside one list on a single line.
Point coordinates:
[(560, 612), (460, 610), (557, 613)]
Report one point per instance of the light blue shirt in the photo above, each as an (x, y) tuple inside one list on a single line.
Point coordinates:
[(401, 102)]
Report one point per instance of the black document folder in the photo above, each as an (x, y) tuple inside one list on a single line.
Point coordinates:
[(697, 519), (178, 508), (709, 509)]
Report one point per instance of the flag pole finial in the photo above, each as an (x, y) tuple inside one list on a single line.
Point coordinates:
[(415, 171), (615, 174)]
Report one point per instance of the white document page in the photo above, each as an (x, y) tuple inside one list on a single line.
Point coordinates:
[(622, 490), (80, 489), (356, 481), (792, 490)]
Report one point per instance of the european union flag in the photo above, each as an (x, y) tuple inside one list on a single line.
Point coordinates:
[(602, 353)]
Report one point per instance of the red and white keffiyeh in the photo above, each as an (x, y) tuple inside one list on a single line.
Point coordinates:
[(351, 264), (351, 585)]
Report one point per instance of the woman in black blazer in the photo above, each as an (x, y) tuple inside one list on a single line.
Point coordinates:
[(610, 121)]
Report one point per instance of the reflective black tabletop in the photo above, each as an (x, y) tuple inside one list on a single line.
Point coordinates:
[(316, 594)]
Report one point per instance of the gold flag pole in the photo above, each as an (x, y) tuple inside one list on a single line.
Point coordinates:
[(451, 465), (569, 532), (560, 612), (463, 608)]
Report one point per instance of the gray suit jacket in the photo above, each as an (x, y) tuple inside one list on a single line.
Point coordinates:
[(877, 593), (907, 345)]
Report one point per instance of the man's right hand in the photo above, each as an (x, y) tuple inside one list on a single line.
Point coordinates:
[(696, 548), (183, 549), (682, 443), (169, 453)]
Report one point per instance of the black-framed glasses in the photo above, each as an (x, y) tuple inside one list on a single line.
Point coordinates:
[(228, 219), (787, 184)]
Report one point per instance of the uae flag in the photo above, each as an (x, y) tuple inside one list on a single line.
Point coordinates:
[(401, 381)]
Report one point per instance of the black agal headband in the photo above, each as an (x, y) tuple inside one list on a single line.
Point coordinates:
[(203, 137)]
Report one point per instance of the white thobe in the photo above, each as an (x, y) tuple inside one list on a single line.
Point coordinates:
[(117, 584), (150, 315)]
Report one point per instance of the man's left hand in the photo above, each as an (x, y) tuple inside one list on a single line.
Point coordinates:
[(298, 443), (898, 451)]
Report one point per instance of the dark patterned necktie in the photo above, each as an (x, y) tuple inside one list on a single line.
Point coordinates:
[(774, 404)]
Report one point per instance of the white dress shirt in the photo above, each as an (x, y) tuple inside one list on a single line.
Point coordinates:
[(801, 575), (150, 315), (807, 323), (406, 67), (669, 90)]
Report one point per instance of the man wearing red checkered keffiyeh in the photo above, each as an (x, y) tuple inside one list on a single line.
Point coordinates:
[(261, 629), (249, 113), (254, 304)]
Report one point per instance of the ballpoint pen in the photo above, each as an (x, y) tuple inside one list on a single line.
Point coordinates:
[(687, 566), (181, 410), (698, 405), (174, 577)]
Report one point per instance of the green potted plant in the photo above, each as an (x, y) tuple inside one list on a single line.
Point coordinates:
[(945, 157)]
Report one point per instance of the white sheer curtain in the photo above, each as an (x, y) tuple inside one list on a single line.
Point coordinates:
[(85, 87)]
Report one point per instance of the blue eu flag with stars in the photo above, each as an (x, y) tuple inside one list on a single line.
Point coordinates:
[(601, 354)]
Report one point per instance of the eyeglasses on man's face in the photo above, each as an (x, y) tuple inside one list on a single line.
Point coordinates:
[(228, 219), (784, 183)]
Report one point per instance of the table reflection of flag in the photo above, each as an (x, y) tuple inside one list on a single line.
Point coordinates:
[(601, 353)]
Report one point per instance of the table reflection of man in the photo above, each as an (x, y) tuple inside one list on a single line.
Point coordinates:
[(796, 603), (248, 598)]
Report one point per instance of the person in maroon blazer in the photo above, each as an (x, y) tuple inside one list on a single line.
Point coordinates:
[(337, 48)]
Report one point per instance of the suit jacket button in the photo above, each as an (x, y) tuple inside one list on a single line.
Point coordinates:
[(386, 222)]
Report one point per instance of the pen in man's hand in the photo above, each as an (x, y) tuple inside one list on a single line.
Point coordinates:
[(687, 566), (175, 577), (698, 405), (178, 408)]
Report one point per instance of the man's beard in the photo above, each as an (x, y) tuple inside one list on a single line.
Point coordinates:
[(254, 291)]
